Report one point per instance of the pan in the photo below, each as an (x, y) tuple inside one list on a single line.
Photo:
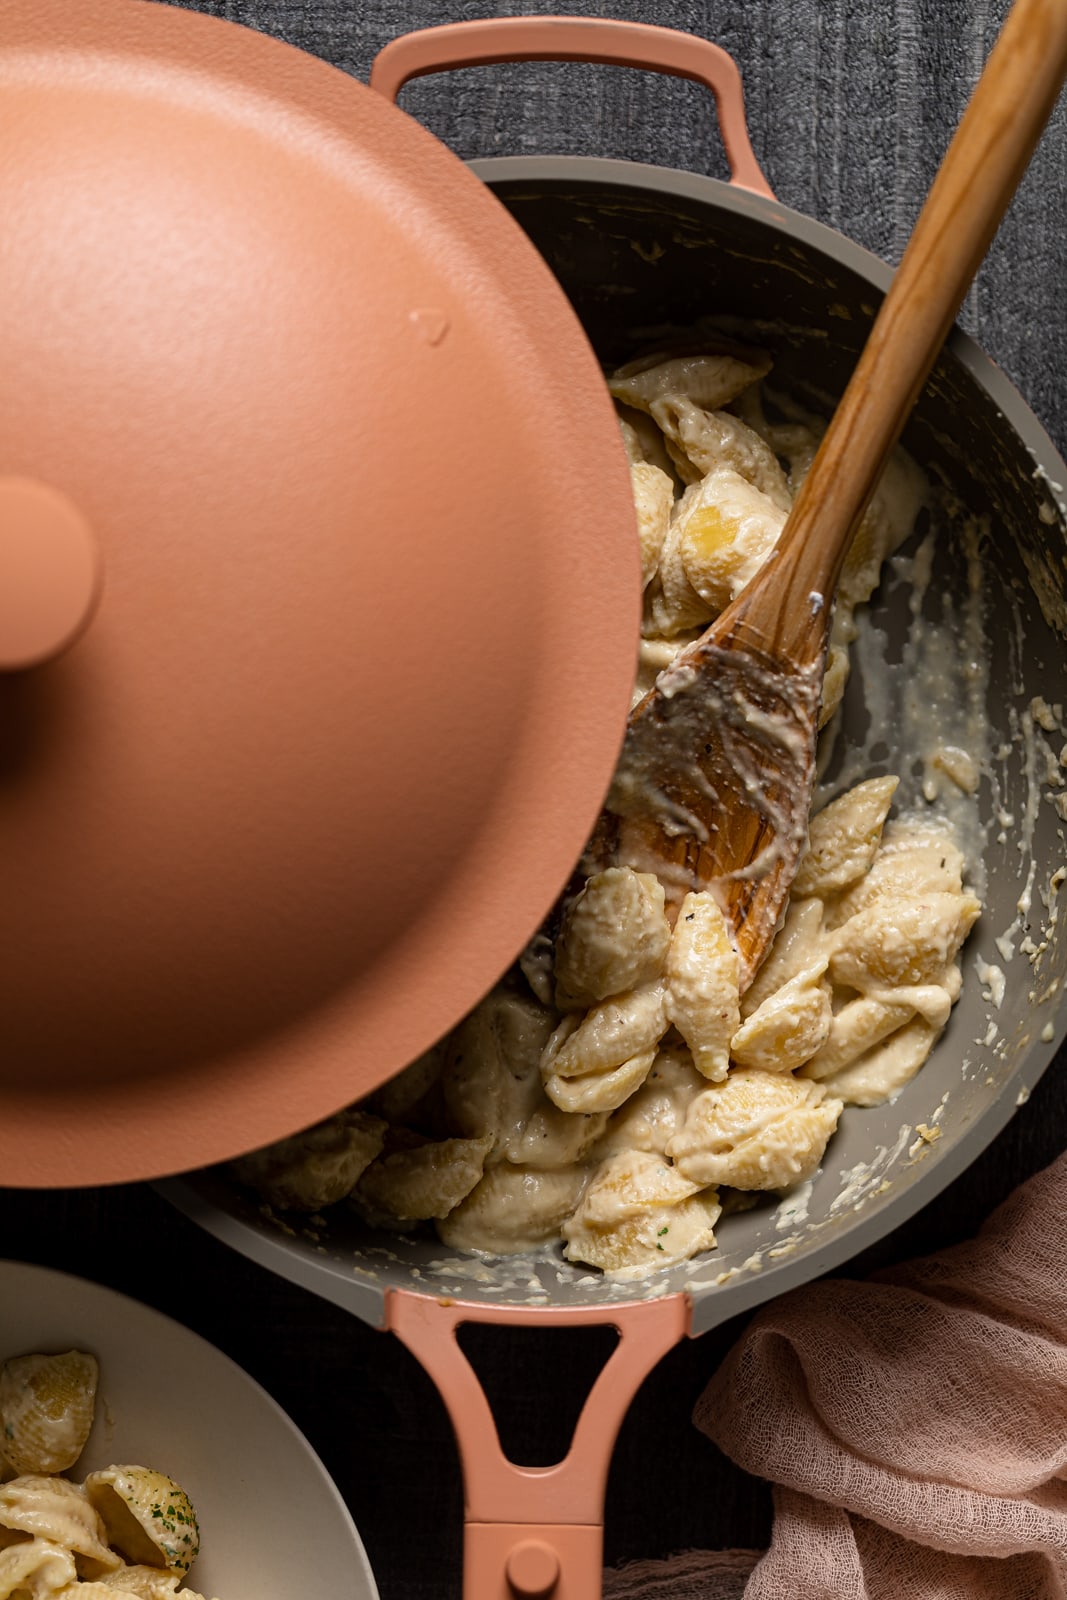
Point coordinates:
[(642, 252)]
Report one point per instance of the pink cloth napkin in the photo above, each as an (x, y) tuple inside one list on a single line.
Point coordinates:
[(914, 1427)]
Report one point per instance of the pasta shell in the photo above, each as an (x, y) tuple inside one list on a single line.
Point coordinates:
[(491, 1082), (639, 1215), (60, 1511), (147, 1516), (593, 1093), (46, 1409), (35, 1567), (713, 439), (710, 379), (653, 499), (606, 1037), (758, 1130), (427, 1181), (513, 1209), (906, 943), (315, 1168), (146, 1583), (614, 938), (656, 1111), (86, 1591), (702, 984), (843, 838), (787, 1029), (725, 531)]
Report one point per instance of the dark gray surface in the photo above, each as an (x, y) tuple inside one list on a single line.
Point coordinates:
[(850, 104)]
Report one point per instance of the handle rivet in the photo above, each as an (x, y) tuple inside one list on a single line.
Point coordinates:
[(533, 1568)]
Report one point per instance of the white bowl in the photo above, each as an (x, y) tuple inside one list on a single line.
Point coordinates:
[(272, 1523)]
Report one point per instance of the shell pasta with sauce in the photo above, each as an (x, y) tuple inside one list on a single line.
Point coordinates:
[(617, 1089), (124, 1531)]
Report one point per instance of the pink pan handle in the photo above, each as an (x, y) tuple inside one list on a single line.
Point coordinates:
[(622, 44), (535, 1532)]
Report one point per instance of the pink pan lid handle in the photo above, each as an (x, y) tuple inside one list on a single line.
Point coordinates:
[(601, 39), (535, 1531)]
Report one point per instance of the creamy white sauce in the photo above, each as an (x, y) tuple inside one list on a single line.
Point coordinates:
[(993, 979), (794, 1208), (858, 1183), (930, 690)]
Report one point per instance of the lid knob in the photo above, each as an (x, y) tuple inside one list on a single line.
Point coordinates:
[(533, 1569), (50, 573)]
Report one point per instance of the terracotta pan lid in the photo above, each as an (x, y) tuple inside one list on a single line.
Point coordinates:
[(318, 590)]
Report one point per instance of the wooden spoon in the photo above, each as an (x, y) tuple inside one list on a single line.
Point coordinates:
[(715, 779)]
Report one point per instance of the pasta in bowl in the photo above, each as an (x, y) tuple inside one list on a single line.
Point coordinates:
[(108, 1482), (621, 1087)]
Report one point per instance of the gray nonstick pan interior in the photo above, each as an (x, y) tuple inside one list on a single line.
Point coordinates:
[(643, 252)]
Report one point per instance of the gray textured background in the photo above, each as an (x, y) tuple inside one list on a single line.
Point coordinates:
[(850, 106), (851, 103)]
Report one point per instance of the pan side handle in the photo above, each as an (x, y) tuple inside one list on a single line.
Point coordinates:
[(601, 39), (535, 1532)]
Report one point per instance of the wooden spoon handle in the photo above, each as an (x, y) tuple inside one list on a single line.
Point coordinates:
[(979, 175)]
